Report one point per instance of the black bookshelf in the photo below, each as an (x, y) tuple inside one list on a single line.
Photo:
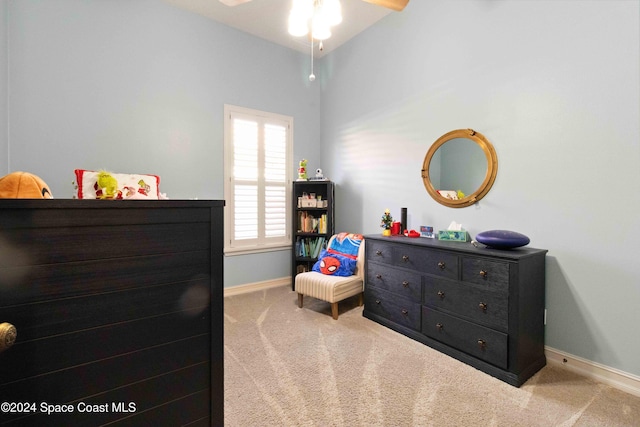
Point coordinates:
[(313, 223)]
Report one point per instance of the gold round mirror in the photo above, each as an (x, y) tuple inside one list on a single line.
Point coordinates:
[(460, 168)]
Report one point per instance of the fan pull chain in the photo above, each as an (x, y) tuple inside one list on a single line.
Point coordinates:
[(312, 76)]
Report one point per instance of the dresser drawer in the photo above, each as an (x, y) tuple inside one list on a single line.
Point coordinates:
[(492, 274), (378, 251), (404, 283), (478, 341), (488, 308), (438, 263), (390, 306)]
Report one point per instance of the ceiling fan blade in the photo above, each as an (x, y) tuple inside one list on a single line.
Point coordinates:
[(396, 5), (232, 3)]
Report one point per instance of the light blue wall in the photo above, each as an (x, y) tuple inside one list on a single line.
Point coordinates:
[(140, 86), (555, 87), (137, 85)]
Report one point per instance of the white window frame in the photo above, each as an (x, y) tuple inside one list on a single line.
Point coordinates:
[(262, 243)]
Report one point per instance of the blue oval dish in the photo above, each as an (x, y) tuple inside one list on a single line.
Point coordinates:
[(502, 239)]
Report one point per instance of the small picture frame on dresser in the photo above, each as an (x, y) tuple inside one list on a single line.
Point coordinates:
[(427, 231)]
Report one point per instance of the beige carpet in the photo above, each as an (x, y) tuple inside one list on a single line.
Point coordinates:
[(286, 366)]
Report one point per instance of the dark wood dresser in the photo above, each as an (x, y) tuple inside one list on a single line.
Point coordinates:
[(482, 306), (118, 307)]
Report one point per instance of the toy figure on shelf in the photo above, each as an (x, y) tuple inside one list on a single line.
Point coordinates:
[(302, 170), (108, 184)]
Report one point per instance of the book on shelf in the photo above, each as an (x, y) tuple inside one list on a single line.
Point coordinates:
[(310, 247), (307, 223), (322, 224), (317, 247)]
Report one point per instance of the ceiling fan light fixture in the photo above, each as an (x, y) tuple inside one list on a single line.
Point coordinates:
[(314, 17), (320, 27), (303, 8), (298, 26), (332, 12), (321, 33)]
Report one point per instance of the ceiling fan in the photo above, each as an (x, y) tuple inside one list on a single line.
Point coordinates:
[(314, 18), (396, 5)]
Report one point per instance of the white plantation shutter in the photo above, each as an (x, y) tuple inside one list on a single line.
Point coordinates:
[(275, 172), (245, 179), (257, 179)]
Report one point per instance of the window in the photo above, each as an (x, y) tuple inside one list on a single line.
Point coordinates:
[(257, 171)]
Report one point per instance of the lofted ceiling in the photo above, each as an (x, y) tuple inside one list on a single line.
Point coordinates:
[(267, 19)]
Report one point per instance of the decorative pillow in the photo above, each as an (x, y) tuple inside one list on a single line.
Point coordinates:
[(502, 239), (347, 244), (341, 257), (334, 264), (449, 194), (120, 186)]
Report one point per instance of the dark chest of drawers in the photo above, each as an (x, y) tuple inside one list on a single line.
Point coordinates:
[(482, 306), (118, 307)]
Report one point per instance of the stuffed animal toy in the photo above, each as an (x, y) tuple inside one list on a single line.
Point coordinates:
[(302, 170), (109, 185), (23, 185)]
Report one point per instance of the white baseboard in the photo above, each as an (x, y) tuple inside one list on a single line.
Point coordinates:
[(615, 378), (257, 286)]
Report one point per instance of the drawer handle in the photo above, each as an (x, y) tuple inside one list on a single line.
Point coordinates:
[(439, 326), (405, 284), (405, 311), (8, 334), (484, 274), (482, 344), (378, 276), (405, 258), (379, 253), (441, 294), (482, 306), (442, 265)]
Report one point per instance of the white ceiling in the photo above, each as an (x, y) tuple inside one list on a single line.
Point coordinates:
[(267, 19)]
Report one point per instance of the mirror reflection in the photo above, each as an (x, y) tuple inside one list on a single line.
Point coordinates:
[(460, 168)]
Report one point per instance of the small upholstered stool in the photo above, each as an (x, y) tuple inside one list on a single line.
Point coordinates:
[(332, 289)]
